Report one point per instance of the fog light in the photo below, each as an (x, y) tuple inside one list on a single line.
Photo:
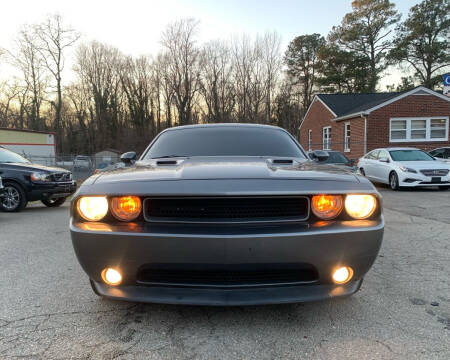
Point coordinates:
[(342, 275), (111, 276)]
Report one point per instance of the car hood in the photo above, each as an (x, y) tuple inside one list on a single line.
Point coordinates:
[(422, 165), (32, 167), (209, 168)]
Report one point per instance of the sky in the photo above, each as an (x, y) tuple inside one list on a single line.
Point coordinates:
[(135, 26)]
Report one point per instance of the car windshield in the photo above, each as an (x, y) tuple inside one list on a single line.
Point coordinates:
[(410, 155), (7, 156), (336, 158), (224, 141)]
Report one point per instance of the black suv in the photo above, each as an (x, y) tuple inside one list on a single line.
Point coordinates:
[(24, 181)]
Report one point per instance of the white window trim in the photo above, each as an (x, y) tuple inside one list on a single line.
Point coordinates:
[(347, 144), (428, 132), (309, 140), (328, 147)]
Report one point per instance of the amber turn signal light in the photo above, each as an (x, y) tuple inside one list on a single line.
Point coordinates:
[(126, 208), (327, 207)]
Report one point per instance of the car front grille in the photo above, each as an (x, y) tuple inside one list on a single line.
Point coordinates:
[(227, 209), (61, 177), (435, 172), (229, 276)]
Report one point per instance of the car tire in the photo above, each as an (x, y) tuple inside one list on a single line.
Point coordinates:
[(393, 181), (53, 202), (442, 188), (362, 172), (14, 198)]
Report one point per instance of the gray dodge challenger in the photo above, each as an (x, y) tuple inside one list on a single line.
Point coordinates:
[(226, 214)]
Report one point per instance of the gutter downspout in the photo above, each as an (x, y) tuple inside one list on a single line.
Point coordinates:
[(364, 116)]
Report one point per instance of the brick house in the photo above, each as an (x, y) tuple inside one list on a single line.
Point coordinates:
[(358, 123)]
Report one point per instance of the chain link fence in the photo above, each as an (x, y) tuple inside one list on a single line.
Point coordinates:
[(81, 166)]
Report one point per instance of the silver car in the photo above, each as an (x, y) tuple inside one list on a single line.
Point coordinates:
[(226, 214), (2, 189)]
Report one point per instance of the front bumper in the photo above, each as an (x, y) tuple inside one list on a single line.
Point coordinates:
[(225, 297), (51, 190), (129, 247), (407, 179)]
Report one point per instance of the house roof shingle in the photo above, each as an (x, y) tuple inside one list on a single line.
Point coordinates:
[(345, 104)]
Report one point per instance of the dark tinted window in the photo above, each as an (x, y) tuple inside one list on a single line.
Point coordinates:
[(224, 141), (410, 155), (7, 156), (441, 153), (336, 158)]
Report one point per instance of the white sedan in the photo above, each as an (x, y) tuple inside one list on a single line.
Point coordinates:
[(404, 167)]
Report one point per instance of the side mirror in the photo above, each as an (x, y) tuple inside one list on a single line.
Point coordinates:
[(128, 158), (319, 155), (385, 160)]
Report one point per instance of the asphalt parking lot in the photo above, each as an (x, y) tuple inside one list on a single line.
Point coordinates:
[(48, 311)]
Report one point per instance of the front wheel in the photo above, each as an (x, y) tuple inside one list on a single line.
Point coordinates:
[(53, 202), (393, 181), (14, 198)]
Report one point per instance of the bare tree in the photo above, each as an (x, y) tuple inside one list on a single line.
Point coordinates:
[(272, 66), (10, 91), (184, 67), (54, 39), (135, 75), (243, 62), (97, 67), (29, 61), (217, 88), (256, 63), (161, 70)]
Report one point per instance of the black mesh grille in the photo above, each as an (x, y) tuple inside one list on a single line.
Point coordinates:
[(300, 273), (61, 177), (227, 208)]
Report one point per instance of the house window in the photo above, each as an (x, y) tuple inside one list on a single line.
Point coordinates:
[(439, 128), (326, 138), (347, 137), (309, 140), (398, 130), (418, 129)]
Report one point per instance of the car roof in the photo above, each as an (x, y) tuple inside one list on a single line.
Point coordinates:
[(223, 125), (329, 151), (397, 148)]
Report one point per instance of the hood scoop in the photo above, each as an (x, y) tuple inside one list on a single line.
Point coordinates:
[(166, 162), (282, 161)]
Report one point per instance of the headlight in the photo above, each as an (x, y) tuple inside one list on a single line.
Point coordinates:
[(360, 206), (406, 169), (39, 177), (93, 208), (326, 207), (126, 208)]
